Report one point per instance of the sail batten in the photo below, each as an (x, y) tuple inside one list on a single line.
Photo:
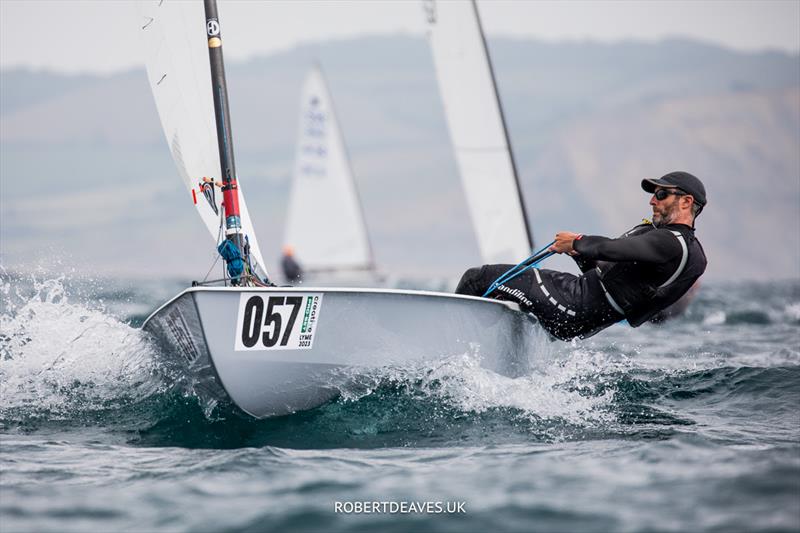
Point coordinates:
[(478, 131)]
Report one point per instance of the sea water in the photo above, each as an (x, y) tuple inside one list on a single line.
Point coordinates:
[(690, 425)]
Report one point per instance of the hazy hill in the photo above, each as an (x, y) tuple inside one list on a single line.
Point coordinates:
[(84, 156)]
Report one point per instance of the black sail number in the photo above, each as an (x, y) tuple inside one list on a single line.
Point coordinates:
[(253, 311), (270, 323), (295, 302)]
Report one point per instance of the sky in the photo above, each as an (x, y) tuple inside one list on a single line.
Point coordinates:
[(99, 36)]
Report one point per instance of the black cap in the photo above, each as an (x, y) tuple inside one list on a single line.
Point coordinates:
[(683, 181)]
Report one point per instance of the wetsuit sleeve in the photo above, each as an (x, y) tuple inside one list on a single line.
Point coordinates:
[(584, 263), (657, 246)]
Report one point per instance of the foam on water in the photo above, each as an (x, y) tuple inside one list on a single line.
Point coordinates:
[(568, 385), (714, 319), (793, 311), (58, 357)]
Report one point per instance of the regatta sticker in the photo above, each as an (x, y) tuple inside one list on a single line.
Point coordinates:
[(277, 321)]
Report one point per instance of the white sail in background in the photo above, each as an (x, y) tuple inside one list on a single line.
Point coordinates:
[(325, 223), (174, 39), (477, 130)]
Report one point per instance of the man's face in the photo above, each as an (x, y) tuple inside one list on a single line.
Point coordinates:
[(664, 211)]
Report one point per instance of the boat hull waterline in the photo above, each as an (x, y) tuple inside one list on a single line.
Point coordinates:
[(274, 351)]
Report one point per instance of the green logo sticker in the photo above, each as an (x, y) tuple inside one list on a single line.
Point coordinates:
[(306, 315)]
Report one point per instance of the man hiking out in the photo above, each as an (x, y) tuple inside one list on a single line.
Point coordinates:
[(632, 277)]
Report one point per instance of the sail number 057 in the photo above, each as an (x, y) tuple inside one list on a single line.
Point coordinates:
[(277, 321), (272, 321)]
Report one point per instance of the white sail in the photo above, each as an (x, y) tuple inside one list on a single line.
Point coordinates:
[(176, 51), (477, 130), (325, 223)]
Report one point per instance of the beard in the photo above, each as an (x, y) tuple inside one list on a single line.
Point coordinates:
[(665, 214)]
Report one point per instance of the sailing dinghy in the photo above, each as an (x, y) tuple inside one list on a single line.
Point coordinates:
[(325, 224), (275, 350)]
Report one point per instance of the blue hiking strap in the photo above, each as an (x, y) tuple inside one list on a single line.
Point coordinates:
[(521, 267)]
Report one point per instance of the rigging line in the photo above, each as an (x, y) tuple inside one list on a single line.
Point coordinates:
[(521, 267), (210, 269), (219, 234), (508, 276)]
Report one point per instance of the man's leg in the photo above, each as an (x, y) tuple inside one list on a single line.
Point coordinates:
[(567, 306), (476, 281)]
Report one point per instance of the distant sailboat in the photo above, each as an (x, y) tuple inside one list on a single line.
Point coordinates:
[(325, 224), (478, 131)]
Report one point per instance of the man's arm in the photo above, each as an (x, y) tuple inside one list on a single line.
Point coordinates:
[(657, 246), (584, 263)]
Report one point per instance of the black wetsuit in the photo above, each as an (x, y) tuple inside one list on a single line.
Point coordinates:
[(291, 269), (632, 277)]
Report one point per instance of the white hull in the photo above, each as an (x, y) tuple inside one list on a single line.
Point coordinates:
[(230, 340)]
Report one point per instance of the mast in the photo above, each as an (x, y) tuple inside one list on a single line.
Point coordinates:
[(230, 187), (505, 127)]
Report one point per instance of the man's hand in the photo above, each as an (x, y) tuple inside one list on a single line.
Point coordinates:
[(563, 243)]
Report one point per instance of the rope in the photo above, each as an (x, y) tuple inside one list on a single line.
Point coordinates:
[(520, 267), (249, 275), (219, 234)]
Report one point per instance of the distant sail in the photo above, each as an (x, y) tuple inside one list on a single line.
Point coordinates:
[(325, 223), (477, 131), (175, 46)]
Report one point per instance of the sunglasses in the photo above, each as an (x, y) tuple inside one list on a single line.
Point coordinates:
[(661, 194)]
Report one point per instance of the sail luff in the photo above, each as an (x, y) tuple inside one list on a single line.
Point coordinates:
[(499, 102), (370, 263), (477, 131), (178, 69)]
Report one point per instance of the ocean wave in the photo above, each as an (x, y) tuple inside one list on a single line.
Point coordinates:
[(459, 402), (67, 362), (757, 304), (60, 360), (724, 383)]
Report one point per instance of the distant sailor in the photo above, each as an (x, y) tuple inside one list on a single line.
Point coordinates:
[(633, 277), (292, 271)]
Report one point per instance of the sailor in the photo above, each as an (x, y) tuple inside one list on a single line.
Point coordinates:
[(632, 277), (292, 271)]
